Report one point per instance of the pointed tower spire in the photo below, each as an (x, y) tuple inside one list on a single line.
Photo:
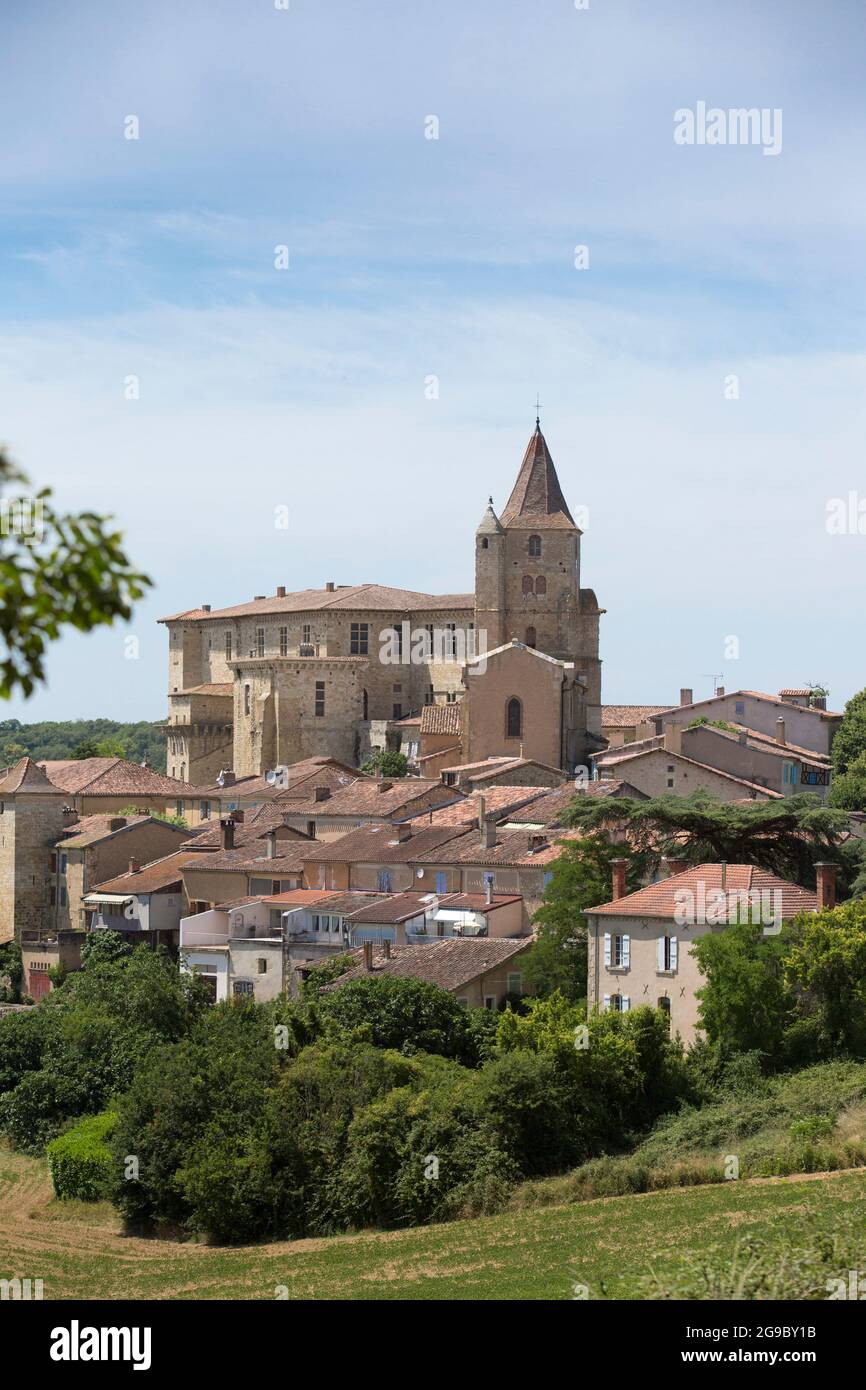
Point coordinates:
[(536, 497), (489, 524)]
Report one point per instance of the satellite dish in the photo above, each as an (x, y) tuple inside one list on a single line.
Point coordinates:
[(419, 873), (270, 777)]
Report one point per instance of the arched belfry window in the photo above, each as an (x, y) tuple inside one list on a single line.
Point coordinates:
[(535, 545), (513, 718), (541, 584), (531, 639), (528, 585)]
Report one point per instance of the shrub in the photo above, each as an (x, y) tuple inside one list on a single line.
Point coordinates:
[(80, 1161)]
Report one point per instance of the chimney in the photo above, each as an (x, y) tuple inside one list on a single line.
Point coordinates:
[(618, 867), (720, 690), (819, 701), (673, 737), (226, 777), (227, 832), (482, 811), (134, 866), (329, 587), (780, 729), (488, 833), (674, 866), (368, 955), (687, 696), (205, 608), (825, 876), (281, 591), (742, 737), (271, 839), (237, 817), (537, 840), (404, 832), (321, 793), (117, 822), (386, 947), (384, 786)]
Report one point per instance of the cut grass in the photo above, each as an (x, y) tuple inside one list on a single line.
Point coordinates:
[(660, 1245)]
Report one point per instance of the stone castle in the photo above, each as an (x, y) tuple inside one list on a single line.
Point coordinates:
[(335, 670)]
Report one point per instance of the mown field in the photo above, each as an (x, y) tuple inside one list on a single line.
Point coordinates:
[(681, 1243)]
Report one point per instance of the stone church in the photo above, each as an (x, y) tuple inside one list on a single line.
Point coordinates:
[(337, 670)]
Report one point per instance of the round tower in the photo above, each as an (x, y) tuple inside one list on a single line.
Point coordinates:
[(489, 581)]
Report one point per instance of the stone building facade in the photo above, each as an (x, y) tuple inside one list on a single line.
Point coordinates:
[(328, 671)]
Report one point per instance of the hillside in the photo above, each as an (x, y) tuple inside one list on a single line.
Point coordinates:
[(139, 742), (762, 1239)]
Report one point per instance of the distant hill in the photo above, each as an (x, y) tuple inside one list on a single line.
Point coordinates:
[(83, 738)]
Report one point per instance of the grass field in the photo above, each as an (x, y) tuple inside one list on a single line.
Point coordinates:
[(613, 1246)]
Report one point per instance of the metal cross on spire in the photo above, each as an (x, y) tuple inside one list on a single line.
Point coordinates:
[(537, 412)]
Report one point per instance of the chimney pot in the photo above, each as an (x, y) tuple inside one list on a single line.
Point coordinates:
[(271, 840), (281, 591), (227, 832), (368, 955), (488, 833), (720, 690), (618, 870), (134, 866), (205, 608), (674, 865), (780, 729), (329, 587), (825, 877), (384, 786), (386, 947), (686, 696), (322, 793)]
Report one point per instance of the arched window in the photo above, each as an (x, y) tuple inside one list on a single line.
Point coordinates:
[(513, 718), (365, 704), (535, 545), (528, 585), (530, 637), (541, 584)]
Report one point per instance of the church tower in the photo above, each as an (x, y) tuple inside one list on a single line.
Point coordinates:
[(527, 573)]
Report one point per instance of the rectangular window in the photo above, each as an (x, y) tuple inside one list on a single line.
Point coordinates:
[(241, 988), (63, 898), (441, 882), (450, 639), (306, 634), (260, 641), (398, 640), (263, 965), (617, 952), (359, 639), (490, 1002), (385, 881), (284, 641), (515, 983), (740, 707), (320, 699), (228, 646), (667, 953), (54, 863), (246, 699), (398, 711), (204, 810)]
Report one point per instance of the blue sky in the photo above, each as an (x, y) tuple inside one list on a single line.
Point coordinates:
[(455, 257)]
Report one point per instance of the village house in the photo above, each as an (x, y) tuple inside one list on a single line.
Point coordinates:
[(368, 801), (102, 786), (418, 919), (620, 723), (261, 867), (480, 973), (657, 765), (640, 944), (502, 772), (807, 725), (146, 903)]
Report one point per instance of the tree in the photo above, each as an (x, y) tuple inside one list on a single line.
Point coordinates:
[(402, 1013), (788, 836), (848, 789), (580, 878), (57, 570), (387, 763), (745, 1005), (826, 967), (850, 738)]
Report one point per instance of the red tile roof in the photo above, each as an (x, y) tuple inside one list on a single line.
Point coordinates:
[(91, 830), (627, 716), (440, 719), (536, 498), (26, 777), (368, 797), (118, 777), (451, 963), (379, 844), (659, 899), (159, 873)]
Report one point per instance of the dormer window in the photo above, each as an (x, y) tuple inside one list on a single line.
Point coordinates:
[(535, 545)]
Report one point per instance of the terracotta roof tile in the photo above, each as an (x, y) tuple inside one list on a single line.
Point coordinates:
[(536, 498), (451, 963), (159, 873), (357, 597), (380, 844), (659, 899), (627, 716), (118, 777), (440, 719)]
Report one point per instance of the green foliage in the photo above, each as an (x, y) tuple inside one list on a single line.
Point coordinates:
[(826, 968), (712, 724), (80, 1160), (407, 1014), (849, 741), (745, 1005), (11, 972), (848, 789), (788, 836), (580, 878), (387, 763), (165, 816), (83, 738), (321, 975), (74, 573)]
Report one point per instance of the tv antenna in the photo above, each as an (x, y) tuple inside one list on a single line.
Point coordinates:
[(715, 677)]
